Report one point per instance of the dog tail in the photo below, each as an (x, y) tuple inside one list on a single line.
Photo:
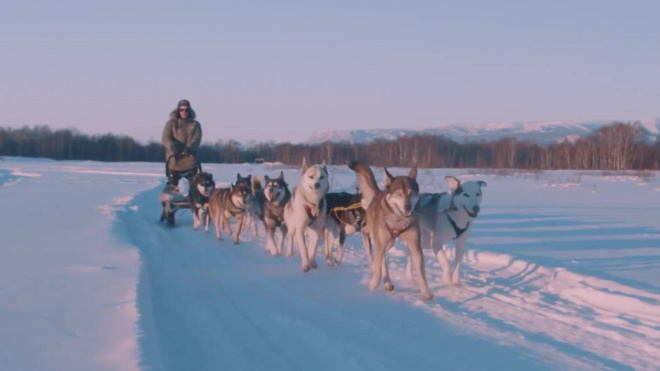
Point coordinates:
[(256, 184), (366, 182)]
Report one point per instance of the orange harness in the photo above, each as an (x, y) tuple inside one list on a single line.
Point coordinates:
[(347, 208)]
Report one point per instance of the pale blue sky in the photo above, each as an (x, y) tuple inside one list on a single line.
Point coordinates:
[(282, 70)]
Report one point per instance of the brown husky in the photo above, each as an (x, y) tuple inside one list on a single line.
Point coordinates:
[(390, 216), (225, 203)]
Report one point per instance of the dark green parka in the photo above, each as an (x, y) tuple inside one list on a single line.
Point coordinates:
[(181, 138)]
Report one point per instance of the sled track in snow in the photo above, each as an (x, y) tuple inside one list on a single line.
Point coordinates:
[(204, 309)]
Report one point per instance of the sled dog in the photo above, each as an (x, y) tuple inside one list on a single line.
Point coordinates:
[(201, 186), (345, 217), (224, 204), (276, 196), (390, 216), (246, 184), (254, 207), (306, 212), (445, 217)]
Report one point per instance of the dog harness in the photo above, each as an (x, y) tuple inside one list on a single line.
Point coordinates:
[(393, 232), (350, 208), (458, 231), (200, 199), (308, 209), (396, 233)]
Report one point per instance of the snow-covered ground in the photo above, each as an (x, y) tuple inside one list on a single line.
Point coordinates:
[(561, 273)]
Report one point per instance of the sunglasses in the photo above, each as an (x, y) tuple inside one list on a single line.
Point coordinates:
[(184, 110)]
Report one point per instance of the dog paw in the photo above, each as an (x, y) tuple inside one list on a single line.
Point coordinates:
[(388, 286), (237, 242), (427, 296), (289, 254), (373, 285), (305, 268), (313, 264), (329, 262)]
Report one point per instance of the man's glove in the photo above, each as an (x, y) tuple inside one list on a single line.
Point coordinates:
[(177, 147)]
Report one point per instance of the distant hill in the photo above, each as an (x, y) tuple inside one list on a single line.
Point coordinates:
[(539, 132)]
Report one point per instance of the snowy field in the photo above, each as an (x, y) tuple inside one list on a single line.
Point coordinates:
[(561, 273)]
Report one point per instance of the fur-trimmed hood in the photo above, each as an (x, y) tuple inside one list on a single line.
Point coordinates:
[(174, 115)]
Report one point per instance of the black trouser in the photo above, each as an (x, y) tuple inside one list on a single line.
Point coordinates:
[(173, 176)]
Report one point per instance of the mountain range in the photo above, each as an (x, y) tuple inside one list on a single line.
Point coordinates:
[(539, 132)]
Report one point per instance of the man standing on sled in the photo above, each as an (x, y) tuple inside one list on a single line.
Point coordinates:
[(181, 137)]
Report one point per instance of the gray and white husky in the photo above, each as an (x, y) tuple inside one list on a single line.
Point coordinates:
[(445, 217), (306, 212)]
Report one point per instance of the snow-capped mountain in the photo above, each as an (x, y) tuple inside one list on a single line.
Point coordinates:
[(539, 132)]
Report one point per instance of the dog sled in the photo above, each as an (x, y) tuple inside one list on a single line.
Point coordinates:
[(172, 199)]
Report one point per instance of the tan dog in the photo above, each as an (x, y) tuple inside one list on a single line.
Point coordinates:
[(390, 216)]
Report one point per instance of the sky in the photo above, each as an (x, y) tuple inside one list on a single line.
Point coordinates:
[(567, 281), (281, 71)]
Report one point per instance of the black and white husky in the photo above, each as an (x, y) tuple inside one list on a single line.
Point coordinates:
[(201, 186), (445, 217), (345, 217), (254, 207), (276, 196), (306, 212)]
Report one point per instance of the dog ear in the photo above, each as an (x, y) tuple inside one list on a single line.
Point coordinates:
[(266, 179), (453, 182), (482, 183), (413, 173), (281, 174), (387, 179), (304, 165)]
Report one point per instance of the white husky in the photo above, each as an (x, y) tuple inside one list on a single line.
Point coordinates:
[(306, 212), (445, 217)]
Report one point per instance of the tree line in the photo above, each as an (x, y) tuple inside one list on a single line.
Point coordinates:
[(619, 146)]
